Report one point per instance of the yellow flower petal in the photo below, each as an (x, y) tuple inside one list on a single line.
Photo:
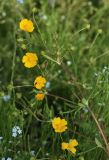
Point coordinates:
[(64, 145), (73, 150), (73, 142), (24, 59)]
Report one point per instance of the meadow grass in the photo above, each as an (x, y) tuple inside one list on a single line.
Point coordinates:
[(71, 42)]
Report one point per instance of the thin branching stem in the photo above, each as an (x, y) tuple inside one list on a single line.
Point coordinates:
[(100, 130)]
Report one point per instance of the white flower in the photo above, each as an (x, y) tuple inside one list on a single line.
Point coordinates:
[(15, 131), (69, 63), (1, 138), (14, 134), (32, 153), (9, 158), (20, 1), (3, 158), (19, 130)]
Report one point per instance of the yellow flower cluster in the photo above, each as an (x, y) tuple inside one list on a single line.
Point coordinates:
[(60, 125), (70, 146), (30, 59)]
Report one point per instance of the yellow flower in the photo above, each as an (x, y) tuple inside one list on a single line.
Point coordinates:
[(26, 25), (39, 82), (70, 146), (30, 60), (59, 125), (64, 145), (40, 96)]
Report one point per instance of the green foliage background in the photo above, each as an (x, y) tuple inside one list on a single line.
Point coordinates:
[(71, 39)]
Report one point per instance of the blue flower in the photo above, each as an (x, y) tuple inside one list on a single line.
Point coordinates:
[(32, 152), (1, 138), (9, 158), (14, 134), (6, 98), (48, 85), (16, 131), (20, 1)]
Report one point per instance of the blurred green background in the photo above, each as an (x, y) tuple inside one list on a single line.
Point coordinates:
[(71, 39)]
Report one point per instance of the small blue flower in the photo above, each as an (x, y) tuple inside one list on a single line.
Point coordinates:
[(6, 98), (9, 158), (32, 152), (14, 134), (1, 138), (19, 131), (20, 1), (16, 131), (48, 85)]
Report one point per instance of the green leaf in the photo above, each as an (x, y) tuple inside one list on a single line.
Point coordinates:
[(49, 58), (85, 102), (98, 143), (81, 158)]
